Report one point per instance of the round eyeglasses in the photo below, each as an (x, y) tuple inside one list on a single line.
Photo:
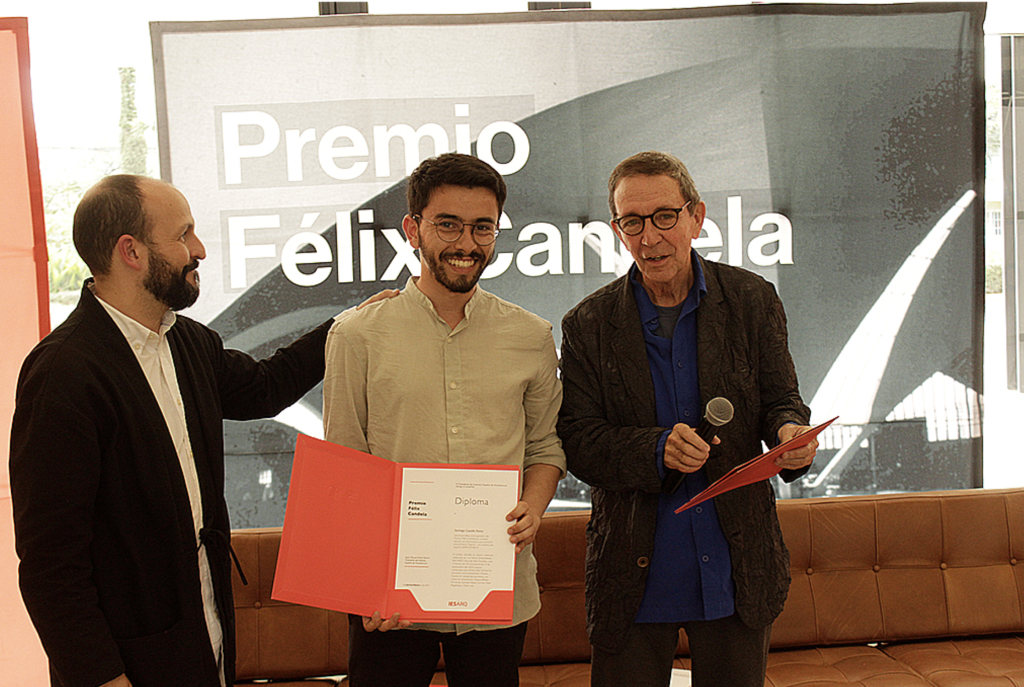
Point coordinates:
[(449, 230), (664, 219)]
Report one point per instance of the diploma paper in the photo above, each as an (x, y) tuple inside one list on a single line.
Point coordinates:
[(453, 546), (364, 534)]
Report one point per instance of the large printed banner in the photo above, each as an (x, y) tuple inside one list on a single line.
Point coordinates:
[(839, 150)]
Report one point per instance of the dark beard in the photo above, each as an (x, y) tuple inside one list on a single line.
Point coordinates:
[(460, 283), (167, 286)]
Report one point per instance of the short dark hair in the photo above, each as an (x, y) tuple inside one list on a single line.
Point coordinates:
[(653, 163), (452, 169), (108, 211)]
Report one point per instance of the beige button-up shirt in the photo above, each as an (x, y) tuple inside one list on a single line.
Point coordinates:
[(403, 385)]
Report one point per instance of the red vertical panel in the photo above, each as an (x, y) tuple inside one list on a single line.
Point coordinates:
[(25, 316)]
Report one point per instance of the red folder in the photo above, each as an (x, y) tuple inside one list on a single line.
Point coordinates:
[(339, 546), (754, 470)]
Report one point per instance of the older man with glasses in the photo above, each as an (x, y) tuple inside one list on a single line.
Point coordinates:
[(640, 358), (448, 373)]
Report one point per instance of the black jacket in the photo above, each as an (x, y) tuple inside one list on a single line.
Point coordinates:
[(103, 525), (608, 427)]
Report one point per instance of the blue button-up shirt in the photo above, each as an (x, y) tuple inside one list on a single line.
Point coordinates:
[(690, 574)]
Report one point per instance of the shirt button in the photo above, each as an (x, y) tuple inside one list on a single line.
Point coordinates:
[(453, 385), (699, 509), (643, 561), (705, 559), (455, 430)]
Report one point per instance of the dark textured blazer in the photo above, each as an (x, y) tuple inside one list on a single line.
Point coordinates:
[(608, 427), (103, 526)]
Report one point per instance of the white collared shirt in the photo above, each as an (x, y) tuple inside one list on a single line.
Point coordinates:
[(154, 355)]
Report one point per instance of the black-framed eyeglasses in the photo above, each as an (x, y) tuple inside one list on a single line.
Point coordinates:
[(664, 219), (449, 230)]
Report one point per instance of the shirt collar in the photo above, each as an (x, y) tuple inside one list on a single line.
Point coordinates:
[(648, 313), (134, 331), (421, 298)]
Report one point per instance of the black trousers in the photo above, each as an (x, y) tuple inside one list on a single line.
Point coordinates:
[(408, 658), (724, 653)]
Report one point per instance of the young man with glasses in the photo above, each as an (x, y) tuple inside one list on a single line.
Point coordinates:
[(640, 358), (446, 372)]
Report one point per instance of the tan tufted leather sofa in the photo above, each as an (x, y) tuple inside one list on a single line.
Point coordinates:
[(905, 590)]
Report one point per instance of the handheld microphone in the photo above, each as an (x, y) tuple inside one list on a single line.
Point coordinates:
[(717, 413)]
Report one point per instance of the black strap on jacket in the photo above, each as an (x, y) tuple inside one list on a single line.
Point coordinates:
[(218, 541)]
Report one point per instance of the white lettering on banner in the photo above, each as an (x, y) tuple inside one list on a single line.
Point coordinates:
[(327, 152), (239, 252), (291, 258), (367, 256), (405, 255), (294, 141), (540, 251), (711, 237), (235, 151), (578, 233), (382, 136), (344, 231), (782, 237), (485, 146), (552, 246), (343, 152), (734, 221)]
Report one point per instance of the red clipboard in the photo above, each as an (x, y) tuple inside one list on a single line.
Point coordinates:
[(339, 545), (760, 468)]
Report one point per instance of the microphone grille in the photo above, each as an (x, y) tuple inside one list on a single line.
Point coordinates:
[(719, 411)]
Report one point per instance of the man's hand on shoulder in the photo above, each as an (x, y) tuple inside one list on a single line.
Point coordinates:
[(386, 293), (800, 458)]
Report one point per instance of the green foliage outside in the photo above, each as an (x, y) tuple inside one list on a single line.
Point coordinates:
[(66, 269), (993, 278), (993, 132), (133, 141)]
